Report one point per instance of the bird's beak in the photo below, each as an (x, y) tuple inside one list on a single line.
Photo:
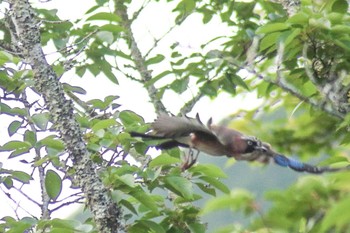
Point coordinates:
[(264, 147)]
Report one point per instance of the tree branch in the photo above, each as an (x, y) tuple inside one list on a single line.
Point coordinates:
[(26, 28), (139, 60)]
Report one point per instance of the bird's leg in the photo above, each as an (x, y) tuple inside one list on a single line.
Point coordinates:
[(189, 160)]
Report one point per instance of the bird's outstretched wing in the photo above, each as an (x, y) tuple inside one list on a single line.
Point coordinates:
[(174, 127)]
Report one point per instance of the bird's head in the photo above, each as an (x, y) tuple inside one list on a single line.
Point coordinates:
[(254, 144)]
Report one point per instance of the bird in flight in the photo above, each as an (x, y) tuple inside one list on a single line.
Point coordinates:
[(218, 141)]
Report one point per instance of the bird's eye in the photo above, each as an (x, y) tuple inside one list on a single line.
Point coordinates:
[(250, 142)]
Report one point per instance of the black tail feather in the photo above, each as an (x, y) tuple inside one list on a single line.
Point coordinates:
[(143, 135)]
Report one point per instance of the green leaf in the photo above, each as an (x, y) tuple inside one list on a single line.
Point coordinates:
[(15, 145), (130, 118), (144, 199), (12, 111), (341, 29), (121, 54), (180, 186), (105, 36), (154, 60), (337, 216), (53, 184), (41, 120), (97, 103), (343, 42), (272, 27), (206, 188), (15, 226), (104, 16), (180, 85), (185, 7), (196, 227), (103, 124), (143, 226), (8, 182), (21, 176), (299, 18), (128, 205), (208, 170), (75, 89), (269, 40), (30, 136), (107, 70), (239, 82), (128, 179), (216, 183), (18, 152), (152, 226), (209, 89), (13, 127), (64, 223), (53, 142), (340, 6), (288, 36), (111, 28), (163, 159), (4, 108)]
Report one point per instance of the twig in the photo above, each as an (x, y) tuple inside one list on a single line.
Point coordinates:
[(189, 105), (45, 212), (75, 201), (26, 196), (17, 204), (156, 41)]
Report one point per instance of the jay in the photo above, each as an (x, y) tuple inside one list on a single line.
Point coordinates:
[(218, 141)]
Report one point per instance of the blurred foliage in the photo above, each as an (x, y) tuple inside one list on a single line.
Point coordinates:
[(297, 65)]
